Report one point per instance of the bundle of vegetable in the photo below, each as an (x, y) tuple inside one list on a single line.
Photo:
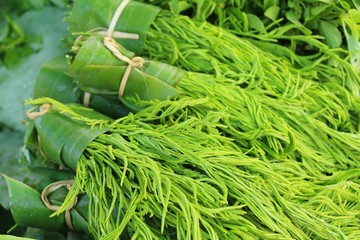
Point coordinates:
[(180, 180), (167, 172), (53, 82), (310, 34), (199, 46), (260, 125), (41, 193)]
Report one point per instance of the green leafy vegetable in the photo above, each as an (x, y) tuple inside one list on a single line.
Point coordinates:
[(165, 181)]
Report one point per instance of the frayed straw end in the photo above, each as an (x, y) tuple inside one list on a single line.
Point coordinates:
[(42, 110)]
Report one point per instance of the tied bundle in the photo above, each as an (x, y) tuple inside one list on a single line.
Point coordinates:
[(250, 148), (53, 81), (263, 126), (320, 38), (202, 47), (180, 180), (42, 192)]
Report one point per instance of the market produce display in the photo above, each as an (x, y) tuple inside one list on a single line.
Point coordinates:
[(192, 120)]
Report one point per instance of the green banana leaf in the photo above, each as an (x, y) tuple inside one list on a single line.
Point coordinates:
[(101, 15), (28, 209), (53, 82), (96, 70), (60, 140)]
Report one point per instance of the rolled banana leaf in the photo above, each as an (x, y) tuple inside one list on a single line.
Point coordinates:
[(60, 140), (29, 210), (54, 82), (96, 70), (130, 20)]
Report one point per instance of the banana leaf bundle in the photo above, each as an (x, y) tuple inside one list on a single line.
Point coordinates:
[(29, 210), (261, 125), (54, 82), (181, 179), (310, 35), (202, 47)]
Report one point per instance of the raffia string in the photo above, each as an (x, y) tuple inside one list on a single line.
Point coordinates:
[(86, 99), (137, 62), (116, 17), (110, 44), (42, 110), (52, 188), (104, 32)]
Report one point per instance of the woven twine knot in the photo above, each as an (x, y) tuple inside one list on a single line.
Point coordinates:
[(113, 46), (52, 188), (43, 109), (137, 62)]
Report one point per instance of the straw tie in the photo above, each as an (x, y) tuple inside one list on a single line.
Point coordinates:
[(136, 62), (115, 18), (110, 44), (86, 99), (42, 110), (52, 188), (110, 31)]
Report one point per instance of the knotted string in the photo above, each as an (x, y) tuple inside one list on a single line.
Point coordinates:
[(104, 32), (42, 110), (115, 18), (86, 99), (112, 46), (52, 188), (137, 62)]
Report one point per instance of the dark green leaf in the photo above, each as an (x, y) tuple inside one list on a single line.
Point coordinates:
[(331, 33), (40, 234), (96, 70), (29, 210), (11, 143), (255, 23), (316, 11), (272, 12), (269, 3), (179, 6), (16, 84), (54, 83), (290, 15), (26, 203), (357, 4)]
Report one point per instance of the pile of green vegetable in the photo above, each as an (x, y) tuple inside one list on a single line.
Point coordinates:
[(191, 120)]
